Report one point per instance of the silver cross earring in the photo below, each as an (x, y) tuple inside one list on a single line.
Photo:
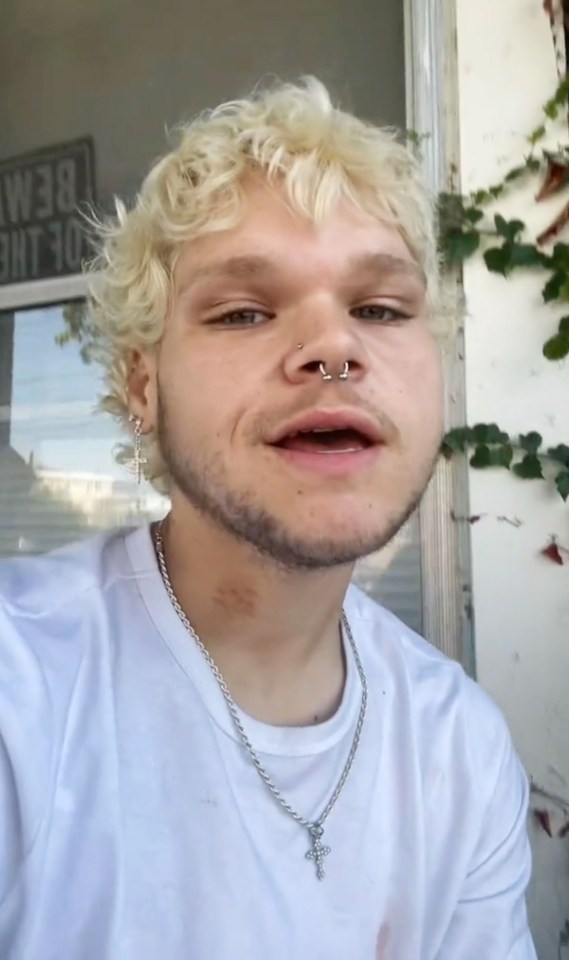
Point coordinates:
[(136, 463)]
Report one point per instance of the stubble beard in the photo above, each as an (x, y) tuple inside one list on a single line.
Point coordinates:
[(207, 488)]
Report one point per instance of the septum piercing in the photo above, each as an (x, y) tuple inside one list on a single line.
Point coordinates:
[(328, 376)]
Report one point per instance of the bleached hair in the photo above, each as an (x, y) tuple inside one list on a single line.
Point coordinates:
[(289, 133)]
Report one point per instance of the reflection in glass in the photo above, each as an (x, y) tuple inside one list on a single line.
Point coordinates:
[(58, 478)]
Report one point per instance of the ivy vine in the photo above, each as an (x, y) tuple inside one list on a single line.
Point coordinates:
[(525, 455), (465, 228)]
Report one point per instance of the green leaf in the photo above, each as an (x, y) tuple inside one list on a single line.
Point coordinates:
[(531, 441), (514, 174), (560, 256), (456, 439), (415, 138), (562, 483), (551, 109), (501, 456), (564, 327), (481, 457), (537, 135), (525, 255), (533, 164), (459, 244), (496, 191), (497, 259), (487, 433), (480, 196), (473, 214), (560, 454), (552, 288), (556, 348), (564, 292), (495, 435), (529, 468), (562, 91), (479, 433), (509, 229)]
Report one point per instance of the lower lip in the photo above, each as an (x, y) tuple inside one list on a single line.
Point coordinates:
[(331, 464)]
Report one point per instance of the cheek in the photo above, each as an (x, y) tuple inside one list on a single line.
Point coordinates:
[(420, 391), (201, 399)]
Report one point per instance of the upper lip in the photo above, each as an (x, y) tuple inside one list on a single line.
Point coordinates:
[(341, 419)]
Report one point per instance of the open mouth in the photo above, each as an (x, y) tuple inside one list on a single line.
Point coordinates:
[(344, 439), (325, 440)]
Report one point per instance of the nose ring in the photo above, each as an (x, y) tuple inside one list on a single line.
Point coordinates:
[(342, 376)]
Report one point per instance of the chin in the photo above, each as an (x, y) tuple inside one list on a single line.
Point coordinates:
[(331, 545)]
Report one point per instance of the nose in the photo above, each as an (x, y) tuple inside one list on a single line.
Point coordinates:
[(326, 346)]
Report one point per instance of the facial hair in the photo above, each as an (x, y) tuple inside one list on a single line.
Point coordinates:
[(205, 483)]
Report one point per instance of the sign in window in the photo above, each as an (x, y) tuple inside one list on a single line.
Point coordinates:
[(42, 197)]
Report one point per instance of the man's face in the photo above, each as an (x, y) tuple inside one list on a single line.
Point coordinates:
[(310, 471)]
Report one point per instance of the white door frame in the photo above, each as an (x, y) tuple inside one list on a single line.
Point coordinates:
[(432, 109)]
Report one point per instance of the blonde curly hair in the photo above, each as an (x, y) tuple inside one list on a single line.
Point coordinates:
[(290, 133)]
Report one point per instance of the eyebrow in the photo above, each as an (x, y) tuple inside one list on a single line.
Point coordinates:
[(242, 268), (386, 264), (254, 266)]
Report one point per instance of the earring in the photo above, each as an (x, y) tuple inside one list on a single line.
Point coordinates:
[(136, 463)]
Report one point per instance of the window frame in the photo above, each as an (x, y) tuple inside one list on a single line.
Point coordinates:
[(431, 77)]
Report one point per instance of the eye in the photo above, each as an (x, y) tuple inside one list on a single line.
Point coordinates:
[(379, 313), (240, 318)]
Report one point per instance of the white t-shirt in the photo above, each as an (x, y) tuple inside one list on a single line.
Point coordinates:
[(133, 826)]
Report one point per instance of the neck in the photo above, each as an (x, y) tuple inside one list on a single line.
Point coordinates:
[(273, 633)]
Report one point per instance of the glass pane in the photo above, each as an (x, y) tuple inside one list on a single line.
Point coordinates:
[(58, 478)]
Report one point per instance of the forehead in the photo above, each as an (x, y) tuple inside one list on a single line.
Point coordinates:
[(271, 234)]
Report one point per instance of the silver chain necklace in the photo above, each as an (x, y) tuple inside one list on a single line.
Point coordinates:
[(318, 850)]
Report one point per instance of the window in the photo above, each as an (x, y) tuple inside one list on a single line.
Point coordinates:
[(58, 478)]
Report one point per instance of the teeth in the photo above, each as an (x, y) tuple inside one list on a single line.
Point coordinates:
[(319, 430)]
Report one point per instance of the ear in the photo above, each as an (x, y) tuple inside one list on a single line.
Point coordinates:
[(142, 387)]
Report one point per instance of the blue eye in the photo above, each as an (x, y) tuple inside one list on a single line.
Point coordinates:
[(240, 318), (379, 313)]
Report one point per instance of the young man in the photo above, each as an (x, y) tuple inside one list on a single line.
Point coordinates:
[(212, 746)]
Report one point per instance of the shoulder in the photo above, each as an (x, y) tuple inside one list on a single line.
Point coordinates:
[(51, 610), (45, 604), (39, 585), (54, 609), (448, 709), (445, 731)]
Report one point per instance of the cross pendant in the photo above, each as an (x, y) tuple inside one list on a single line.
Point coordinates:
[(135, 465), (319, 850)]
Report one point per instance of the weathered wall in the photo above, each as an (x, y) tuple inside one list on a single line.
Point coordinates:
[(521, 601)]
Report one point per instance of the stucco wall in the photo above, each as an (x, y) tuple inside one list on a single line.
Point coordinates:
[(521, 601)]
